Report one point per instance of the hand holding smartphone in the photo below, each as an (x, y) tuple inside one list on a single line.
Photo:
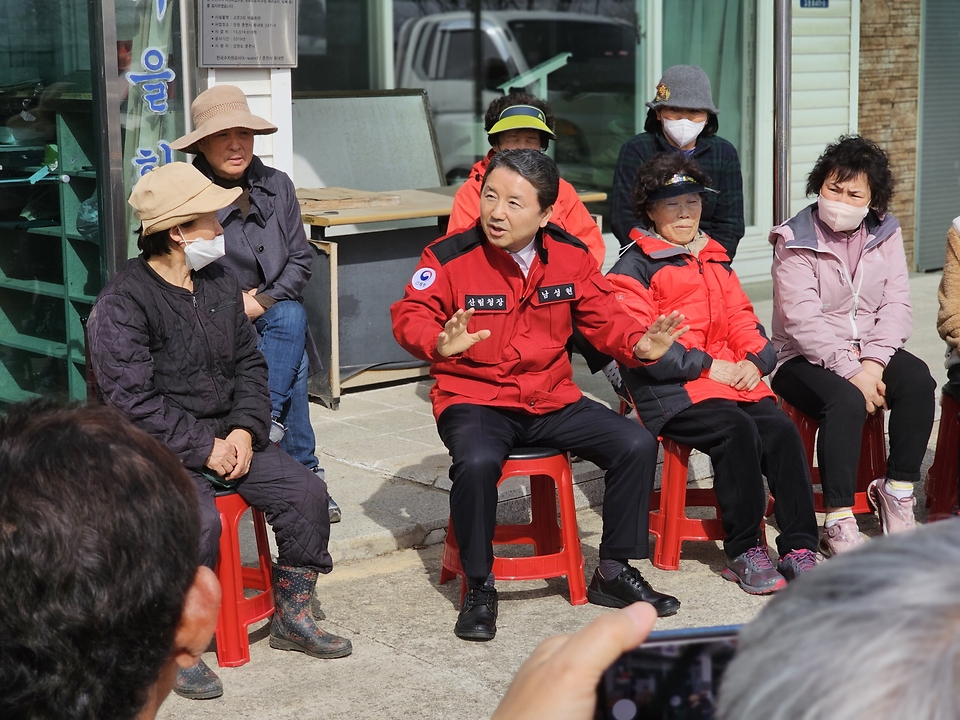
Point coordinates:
[(673, 674)]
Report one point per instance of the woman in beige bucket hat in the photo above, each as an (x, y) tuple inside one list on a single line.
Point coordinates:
[(267, 251), (173, 351)]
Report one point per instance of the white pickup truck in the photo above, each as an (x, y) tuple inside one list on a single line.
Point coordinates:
[(592, 96)]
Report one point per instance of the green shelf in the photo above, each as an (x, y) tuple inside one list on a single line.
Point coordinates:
[(38, 346), (41, 336), (51, 230), (33, 286), (88, 299), (10, 392)]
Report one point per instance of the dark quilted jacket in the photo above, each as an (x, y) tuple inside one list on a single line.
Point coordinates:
[(183, 366)]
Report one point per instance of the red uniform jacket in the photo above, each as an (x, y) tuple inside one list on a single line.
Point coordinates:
[(654, 277), (523, 365), (568, 212)]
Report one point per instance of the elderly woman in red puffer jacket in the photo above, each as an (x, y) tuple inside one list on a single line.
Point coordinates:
[(706, 391)]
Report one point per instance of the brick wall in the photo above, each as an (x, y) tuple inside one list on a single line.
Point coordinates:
[(889, 84)]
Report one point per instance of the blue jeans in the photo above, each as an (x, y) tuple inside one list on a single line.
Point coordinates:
[(283, 332)]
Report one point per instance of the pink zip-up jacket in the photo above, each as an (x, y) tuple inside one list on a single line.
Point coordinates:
[(826, 315)]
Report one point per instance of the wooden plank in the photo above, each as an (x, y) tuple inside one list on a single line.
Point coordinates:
[(429, 202), (413, 204), (313, 200), (375, 376)]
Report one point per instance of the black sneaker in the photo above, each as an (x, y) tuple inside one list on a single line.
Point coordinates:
[(334, 510), (332, 507), (478, 614), (627, 588)]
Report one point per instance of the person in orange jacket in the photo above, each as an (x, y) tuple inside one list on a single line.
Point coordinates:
[(521, 121)]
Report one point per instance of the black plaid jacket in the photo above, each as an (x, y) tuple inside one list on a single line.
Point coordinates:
[(722, 217)]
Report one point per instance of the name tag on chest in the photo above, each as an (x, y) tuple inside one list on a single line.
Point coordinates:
[(556, 293), (494, 303)]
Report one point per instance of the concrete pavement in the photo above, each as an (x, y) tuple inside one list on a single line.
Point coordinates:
[(387, 468)]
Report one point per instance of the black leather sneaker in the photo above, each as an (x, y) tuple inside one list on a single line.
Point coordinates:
[(478, 615), (627, 588)]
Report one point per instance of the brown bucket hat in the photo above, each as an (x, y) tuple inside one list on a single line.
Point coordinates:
[(220, 108), (174, 194)]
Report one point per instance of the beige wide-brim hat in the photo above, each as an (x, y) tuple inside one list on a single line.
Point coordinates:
[(174, 194), (220, 108)]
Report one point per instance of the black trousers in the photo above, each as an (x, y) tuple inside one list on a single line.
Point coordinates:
[(293, 500), (838, 405), (479, 438), (745, 441)]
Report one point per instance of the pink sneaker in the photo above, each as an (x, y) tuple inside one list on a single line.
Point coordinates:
[(840, 538), (895, 515)]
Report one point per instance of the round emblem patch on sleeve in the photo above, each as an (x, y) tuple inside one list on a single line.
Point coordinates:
[(423, 278)]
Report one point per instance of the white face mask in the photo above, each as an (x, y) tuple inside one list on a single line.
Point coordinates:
[(682, 132), (201, 253), (839, 216)]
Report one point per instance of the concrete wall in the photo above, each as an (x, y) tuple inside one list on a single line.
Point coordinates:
[(889, 91)]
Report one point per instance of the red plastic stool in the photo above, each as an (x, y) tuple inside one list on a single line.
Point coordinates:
[(668, 516), (873, 455), (668, 506), (556, 547), (942, 477), (236, 610)]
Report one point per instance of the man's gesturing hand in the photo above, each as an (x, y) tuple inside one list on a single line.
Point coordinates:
[(658, 339), (454, 338)]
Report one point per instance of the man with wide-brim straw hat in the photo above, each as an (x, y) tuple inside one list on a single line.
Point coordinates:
[(174, 351), (267, 251)]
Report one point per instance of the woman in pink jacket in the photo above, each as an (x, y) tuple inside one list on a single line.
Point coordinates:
[(842, 314)]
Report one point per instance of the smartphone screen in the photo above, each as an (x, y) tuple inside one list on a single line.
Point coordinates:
[(674, 675)]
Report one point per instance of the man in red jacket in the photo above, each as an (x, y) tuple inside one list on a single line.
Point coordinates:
[(491, 307), (523, 121)]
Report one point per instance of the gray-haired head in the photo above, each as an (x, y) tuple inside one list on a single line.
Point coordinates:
[(874, 633), (535, 167)]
